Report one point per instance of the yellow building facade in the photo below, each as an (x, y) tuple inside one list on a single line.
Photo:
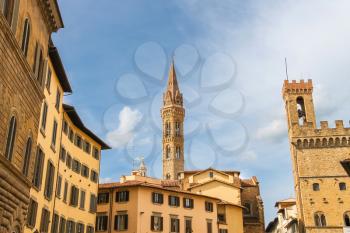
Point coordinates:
[(67, 162), (320, 159), (236, 205)]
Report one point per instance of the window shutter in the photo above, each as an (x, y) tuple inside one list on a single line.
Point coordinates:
[(126, 222), (116, 222), (117, 196), (127, 195), (161, 223), (153, 197), (184, 202), (191, 203), (161, 198), (152, 223)]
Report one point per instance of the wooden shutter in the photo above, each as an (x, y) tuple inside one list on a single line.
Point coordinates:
[(161, 199), (152, 223), (127, 195), (161, 223), (116, 222), (126, 222)]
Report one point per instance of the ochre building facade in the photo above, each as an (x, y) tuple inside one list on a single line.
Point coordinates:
[(235, 204), (25, 29), (321, 166)]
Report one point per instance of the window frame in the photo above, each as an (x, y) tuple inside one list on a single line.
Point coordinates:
[(11, 138)]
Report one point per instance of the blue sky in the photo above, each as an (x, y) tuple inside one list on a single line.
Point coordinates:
[(229, 56)]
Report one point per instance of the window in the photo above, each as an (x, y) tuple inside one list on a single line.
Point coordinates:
[(58, 99), (38, 168), (156, 223), (48, 79), (78, 141), (87, 147), (50, 172), (122, 196), (177, 129), (8, 10), (74, 196), (85, 171), (209, 206), (65, 127), (62, 225), (76, 165), (188, 203), (174, 225), (44, 117), (157, 198), (221, 218), (82, 200), (94, 176), (178, 152), (247, 211), (80, 228), (223, 231), (211, 174), (167, 176), (320, 219), (93, 203), (32, 210), (54, 134), (38, 63), (70, 227), (65, 192), (347, 219), (59, 186), (167, 152), (63, 153), (71, 134), (55, 224), (103, 198), (25, 37), (342, 186), (69, 161), (188, 225), (45, 220), (101, 222), (89, 229), (167, 129), (209, 226), (174, 201), (121, 222), (26, 160), (316, 186), (11, 135), (96, 153)]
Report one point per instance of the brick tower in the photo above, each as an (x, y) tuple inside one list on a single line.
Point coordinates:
[(320, 158), (173, 114)]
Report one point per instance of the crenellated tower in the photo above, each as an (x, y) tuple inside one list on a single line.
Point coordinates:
[(321, 162), (173, 114)]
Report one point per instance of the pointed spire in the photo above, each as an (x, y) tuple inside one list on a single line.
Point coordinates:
[(172, 80)]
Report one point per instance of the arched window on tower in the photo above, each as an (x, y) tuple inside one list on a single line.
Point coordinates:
[(320, 219), (177, 129), (301, 110), (167, 152), (178, 152), (167, 176), (25, 37), (27, 153), (11, 135), (167, 129), (347, 219)]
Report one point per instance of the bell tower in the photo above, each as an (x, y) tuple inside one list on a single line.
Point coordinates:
[(173, 114)]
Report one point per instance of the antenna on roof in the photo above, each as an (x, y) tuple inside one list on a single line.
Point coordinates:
[(285, 63)]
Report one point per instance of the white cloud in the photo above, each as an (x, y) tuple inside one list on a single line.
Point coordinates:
[(273, 132), (125, 133)]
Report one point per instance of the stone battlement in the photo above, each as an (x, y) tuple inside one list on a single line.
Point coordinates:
[(297, 87), (308, 130)]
